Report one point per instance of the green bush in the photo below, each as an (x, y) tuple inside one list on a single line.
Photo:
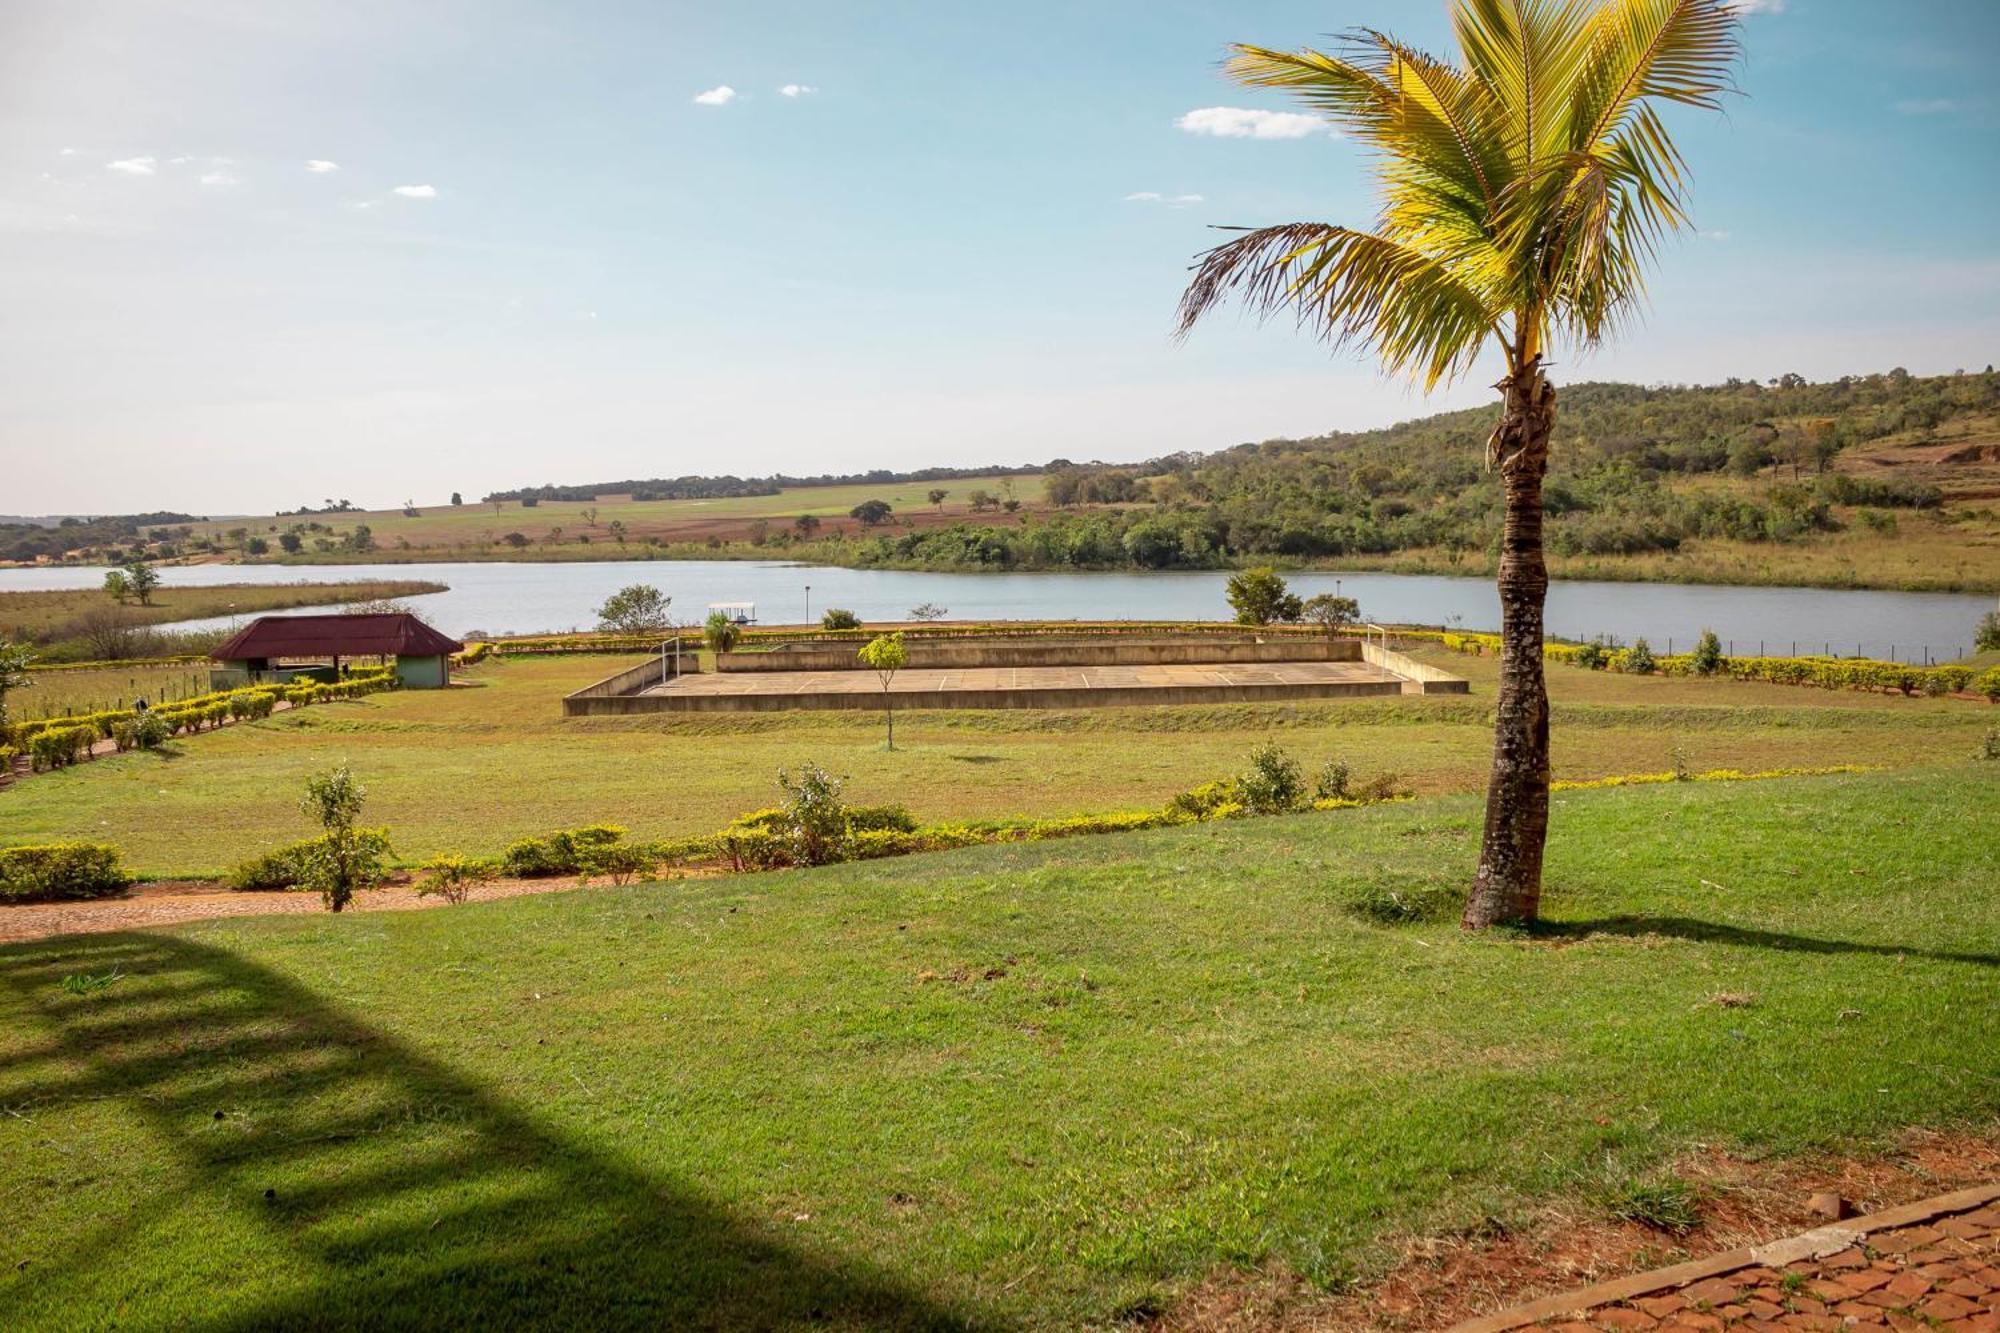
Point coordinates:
[(616, 861), (1207, 801), (451, 877), (60, 870), (561, 853), (815, 820), (837, 618), (880, 818), (287, 867), (1706, 659), (1639, 659), (1334, 780), (58, 746), (1273, 784), (1988, 684)]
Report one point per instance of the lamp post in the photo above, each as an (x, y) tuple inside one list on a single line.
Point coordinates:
[(809, 604)]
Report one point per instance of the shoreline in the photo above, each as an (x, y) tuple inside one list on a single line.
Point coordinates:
[(1416, 565)]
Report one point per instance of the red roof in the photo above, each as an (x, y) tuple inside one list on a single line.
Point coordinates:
[(392, 635)]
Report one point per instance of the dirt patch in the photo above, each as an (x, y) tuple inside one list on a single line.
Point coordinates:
[(171, 902), (1440, 1281)]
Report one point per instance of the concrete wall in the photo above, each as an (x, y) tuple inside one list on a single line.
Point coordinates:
[(1417, 677), (604, 705), (627, 682), (1028, 653)]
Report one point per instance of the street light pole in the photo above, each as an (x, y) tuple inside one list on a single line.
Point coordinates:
[(809, 604)]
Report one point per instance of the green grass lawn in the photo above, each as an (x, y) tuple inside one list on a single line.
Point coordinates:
[(474, 768), (1036, 1085)]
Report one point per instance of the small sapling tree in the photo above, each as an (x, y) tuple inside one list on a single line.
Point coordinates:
[(638, 608), (343, 858), (885, 656), (1260, 597), (1331, 613), (140, 580)]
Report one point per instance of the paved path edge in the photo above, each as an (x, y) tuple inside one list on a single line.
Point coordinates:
[(1830, 1239)]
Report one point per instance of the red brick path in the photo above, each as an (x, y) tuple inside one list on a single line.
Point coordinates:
[(1942, 1272)]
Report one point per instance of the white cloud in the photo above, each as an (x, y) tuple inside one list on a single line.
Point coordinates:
[(319, 166), (65, 152), (797, 90), (134, 166), (218, 178), (1236, 122), (720, 95), (1926, 106), (180, 161), (1716, 235), (416, 191), (1143, 197), (1759, 6), (1155, 197)]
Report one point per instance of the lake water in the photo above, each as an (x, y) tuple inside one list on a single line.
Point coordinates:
[(501, 598)]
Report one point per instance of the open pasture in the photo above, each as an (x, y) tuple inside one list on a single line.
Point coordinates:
[(493, 760), (475, 525)]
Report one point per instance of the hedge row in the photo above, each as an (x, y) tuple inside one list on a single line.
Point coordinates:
[(1828, 673), (284, 867), (1712, 775), (52, 742), (60, 870)]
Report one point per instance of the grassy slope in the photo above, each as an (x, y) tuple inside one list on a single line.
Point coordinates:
[(1026, 1085), (474, 768), (33, 614), (480, 524)]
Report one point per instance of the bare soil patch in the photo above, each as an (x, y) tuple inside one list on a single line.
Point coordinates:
[(1441, 1280), (171, 902)]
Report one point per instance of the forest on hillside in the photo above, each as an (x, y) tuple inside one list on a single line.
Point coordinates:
[(1635, 470)]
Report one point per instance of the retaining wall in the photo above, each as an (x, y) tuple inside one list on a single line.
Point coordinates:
[(962, 655), (582, 705), (1417, 677)]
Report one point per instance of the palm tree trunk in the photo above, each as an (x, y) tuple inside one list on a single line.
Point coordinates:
[(1509, 883)]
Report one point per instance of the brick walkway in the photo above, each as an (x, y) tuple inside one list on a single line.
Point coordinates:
[(1930, 1266)]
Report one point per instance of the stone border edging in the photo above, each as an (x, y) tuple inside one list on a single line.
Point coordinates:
[(1816, 1243)]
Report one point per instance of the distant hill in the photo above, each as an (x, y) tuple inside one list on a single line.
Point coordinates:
[(720, 488)]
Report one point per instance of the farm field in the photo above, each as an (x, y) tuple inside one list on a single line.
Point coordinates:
[(1042, 1086), (51, 613), (89, 689), (475, 528), (476, 767)]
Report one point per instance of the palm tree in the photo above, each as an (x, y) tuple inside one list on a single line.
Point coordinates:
[(1525, 189)]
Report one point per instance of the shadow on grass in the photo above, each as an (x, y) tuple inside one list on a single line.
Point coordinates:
[(398, 1191), (1710, 932)]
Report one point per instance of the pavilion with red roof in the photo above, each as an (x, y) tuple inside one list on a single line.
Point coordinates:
[(276, 647)]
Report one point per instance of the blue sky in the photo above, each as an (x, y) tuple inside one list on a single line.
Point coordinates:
[(930, 251)]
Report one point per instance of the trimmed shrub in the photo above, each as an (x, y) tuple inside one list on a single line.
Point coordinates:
[(880, 818), (286, 867), (616, 861), (451, 877), (1639, 659), (1988, 684), (59, 746), (60, 870), (838, 618), (560, 853)]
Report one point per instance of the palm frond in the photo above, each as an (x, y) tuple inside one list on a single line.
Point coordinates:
[(1348, 286)]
